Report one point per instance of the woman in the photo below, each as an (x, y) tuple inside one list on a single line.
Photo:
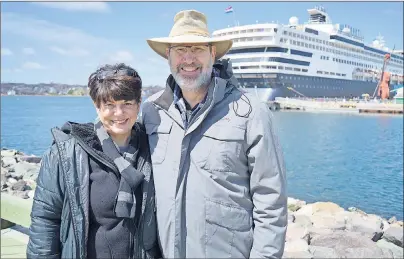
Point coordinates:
[(95, 192)]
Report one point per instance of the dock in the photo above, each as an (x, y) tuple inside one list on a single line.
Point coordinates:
[(15, 221), (342, 106)]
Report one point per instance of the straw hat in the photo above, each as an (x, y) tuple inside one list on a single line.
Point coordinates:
[(190, 26)]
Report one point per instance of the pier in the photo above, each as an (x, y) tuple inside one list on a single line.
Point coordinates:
[(281, 103), (15, 221)]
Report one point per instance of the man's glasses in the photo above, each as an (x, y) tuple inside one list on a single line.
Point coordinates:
[(195, 49)]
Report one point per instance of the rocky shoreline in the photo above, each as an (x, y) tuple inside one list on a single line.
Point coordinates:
[(19, 173), (316, 230), (325, 230)]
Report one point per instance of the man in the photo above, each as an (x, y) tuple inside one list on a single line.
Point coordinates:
[(219, 173)]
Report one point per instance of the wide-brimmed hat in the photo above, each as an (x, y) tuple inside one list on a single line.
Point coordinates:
[(191, 27)]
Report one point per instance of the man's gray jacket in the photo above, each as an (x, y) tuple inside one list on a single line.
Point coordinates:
[(220, 184)]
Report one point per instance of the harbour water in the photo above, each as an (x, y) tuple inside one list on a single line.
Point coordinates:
[(350, 159)]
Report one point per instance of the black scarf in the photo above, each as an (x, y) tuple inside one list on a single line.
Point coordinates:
[(131, 178)]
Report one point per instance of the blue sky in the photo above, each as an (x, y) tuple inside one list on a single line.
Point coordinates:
[(65, 42)]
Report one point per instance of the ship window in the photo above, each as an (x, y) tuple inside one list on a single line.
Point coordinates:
[(280, 67), (304, 70), (297, 69), (343, 74), (332, 73)]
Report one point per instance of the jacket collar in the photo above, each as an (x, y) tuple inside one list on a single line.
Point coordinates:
[(222, 81)]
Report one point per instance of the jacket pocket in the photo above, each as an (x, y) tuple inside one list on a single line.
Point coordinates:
[(225, 147), (158, 140), (228, 230)]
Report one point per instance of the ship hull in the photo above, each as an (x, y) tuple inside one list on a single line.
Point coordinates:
[(270, 86)]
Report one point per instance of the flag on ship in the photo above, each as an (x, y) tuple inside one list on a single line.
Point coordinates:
[(228, 9)]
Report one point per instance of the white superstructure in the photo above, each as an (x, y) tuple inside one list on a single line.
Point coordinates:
[(315, 59)]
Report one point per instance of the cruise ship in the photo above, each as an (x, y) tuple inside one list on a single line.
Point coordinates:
[(314, 59)]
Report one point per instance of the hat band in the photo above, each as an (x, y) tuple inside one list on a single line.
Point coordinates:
[(189, 32)]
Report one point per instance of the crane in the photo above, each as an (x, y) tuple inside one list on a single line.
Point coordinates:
[(383, 85)]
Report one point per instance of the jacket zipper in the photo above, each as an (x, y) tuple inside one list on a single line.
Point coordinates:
[(69, 196), (112, 167)]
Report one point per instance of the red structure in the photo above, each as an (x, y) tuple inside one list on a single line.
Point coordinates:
[(383, 88)]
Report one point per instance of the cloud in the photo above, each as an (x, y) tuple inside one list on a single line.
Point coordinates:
[(66, 40), (32, 65), (28, 51), (75, 52), (121, 56), (99, 7), (6, 52), (8, 70), (391, 12), (45, 31)]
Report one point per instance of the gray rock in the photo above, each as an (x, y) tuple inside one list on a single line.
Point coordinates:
[(392, 220), (295, 204), (11, 181), (323, 252), (27, 170), (31, 194), (385, 225), (3, 178), (8, 153), (299, 254), (316, 232), (291, 218), (30, 159), (368, 252), (354, 209), (295, 232), (370, 224), (19, 186), (326, 221), (303, 221), (396, 250), (377, 236), (394, 235), (20, 194), (341, 240), (8, 161), (15, 176), (298, 245)]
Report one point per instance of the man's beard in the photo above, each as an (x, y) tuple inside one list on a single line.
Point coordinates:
[(190, 83)]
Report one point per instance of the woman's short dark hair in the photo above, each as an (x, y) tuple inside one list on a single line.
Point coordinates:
[(115, 83)]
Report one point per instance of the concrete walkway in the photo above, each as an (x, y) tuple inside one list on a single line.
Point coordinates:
[(14, 242)]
